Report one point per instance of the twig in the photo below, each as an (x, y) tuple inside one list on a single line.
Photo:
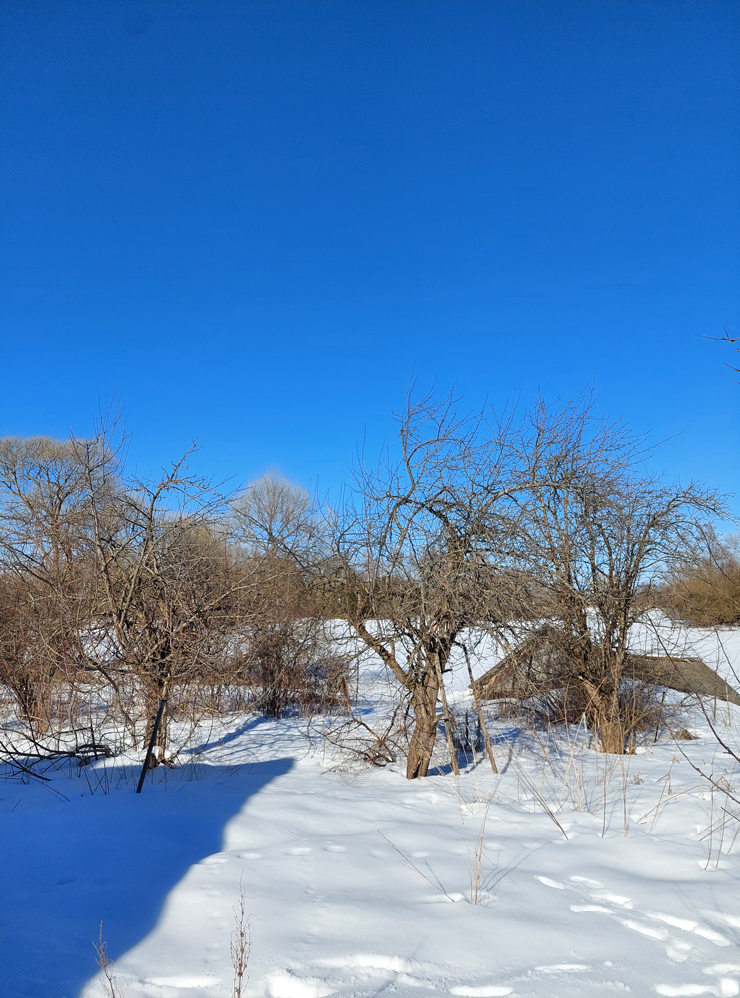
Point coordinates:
[(416, 868), (536, 793)]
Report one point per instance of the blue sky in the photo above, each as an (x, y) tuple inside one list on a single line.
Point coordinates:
[(256, 222)]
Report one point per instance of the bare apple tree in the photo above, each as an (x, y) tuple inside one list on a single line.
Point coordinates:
[(596, 532), (414, 557)]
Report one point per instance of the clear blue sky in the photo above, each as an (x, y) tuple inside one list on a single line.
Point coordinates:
[(255, 222)]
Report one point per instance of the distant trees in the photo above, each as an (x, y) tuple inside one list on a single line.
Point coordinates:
[(151, 594), (45, 566), (128, 584), (288, 655), (704, 583)]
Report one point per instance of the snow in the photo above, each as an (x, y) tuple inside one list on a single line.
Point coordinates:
[(654, 634), (597, 875)]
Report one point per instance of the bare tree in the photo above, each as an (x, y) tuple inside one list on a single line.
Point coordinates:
[(33, 642), (42, 486), (165, 584), (44, 564), (276, 516), (413, 557), (596, 531), (287, 656)]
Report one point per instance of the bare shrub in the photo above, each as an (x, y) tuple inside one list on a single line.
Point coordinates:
[(287, 659), (704, 588), (359, 741), (241, 945), (103, 961)]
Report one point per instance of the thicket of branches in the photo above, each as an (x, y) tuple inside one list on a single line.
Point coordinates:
[(162, 598), (704, 587), (136, 599)]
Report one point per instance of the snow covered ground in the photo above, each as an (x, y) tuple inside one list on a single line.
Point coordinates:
[(569, 874)]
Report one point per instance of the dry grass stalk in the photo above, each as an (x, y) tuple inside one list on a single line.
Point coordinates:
[(476, 866), (415, 868), (103, 961), (241, 945)]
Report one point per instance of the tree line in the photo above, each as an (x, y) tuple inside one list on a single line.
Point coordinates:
[(165, 597)]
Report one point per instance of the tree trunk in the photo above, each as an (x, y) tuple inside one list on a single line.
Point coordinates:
[(424, 701), (29, 706), (159, 746), (611, 734), (611, 724), (607, 718), (150, 760)]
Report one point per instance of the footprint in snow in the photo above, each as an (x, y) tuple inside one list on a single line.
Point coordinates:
[(711, 935), (732, 920), (299, 851), (687, 924), (487, 992), (183, 982), (562, 968), (726, 987), (333, 848), (690, 925), (646, 930), (550, 883), (363, 961), (586, 882), (623, 902), (678, 950), (283, 984)]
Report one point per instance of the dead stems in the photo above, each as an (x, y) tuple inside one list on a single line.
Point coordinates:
[(416, 869), (103, 961), (241, 945)]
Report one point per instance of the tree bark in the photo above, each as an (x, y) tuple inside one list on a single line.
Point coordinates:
[(149, 761), (608, 718), (155, 735), (424, 702)]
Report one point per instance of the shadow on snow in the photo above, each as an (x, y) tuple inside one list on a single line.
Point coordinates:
[(68, 865)]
